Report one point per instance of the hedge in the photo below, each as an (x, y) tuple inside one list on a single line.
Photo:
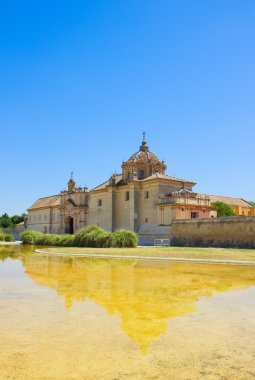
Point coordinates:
[(91, 236)]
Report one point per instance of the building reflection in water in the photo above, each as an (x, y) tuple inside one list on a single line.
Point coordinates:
[(145, 295)]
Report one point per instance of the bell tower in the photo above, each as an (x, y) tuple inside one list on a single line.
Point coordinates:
[(71, 184)]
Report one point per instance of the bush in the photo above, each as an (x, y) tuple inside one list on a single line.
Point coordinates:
[(86, 237), (44, 239), (29, 237), (1, 236), (66, 241), (124, 238), (91, 236), (223, 210), (8, 237)]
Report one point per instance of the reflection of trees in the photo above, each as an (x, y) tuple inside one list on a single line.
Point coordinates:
[(143, 294), (9, 251)]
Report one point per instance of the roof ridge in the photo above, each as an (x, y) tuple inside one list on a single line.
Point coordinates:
[(49, 196), (105, 182), (225, 196)]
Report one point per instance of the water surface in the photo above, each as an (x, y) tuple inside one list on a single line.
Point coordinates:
[(79, 318)]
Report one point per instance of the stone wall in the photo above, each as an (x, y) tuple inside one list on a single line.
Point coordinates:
[(149, 232), (15, 231), (215, 232)]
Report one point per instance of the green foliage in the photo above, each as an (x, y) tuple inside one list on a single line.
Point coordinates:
[(223, 209), (65, 240), (252, 203), (16, 219), (91, 236), (124, 238), (29, 237), (85, 236), (8, 237), (7, 221)]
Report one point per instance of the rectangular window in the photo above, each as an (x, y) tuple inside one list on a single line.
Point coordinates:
[(127, 196), (146, 195), (99, 203), (146, 220), (194, 215), (141, 174)]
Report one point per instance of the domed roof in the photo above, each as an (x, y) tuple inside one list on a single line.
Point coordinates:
[(142, 164), (143, 156)]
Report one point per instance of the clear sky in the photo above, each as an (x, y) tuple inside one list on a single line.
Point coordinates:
[(81, 80)]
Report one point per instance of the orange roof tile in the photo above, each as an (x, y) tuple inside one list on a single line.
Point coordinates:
[(46, 202), (229, 200)]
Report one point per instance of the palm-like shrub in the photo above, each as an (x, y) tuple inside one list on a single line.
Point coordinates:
[(66, 241), (91, 236), (124, 238), (86, 237), (29, 237)]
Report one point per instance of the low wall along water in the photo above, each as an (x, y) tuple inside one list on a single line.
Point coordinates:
[(215, 232)]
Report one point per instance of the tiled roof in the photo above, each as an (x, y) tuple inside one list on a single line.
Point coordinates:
[(46, 202), (153, 176), (168, 177), (104, 185), (229, 200)]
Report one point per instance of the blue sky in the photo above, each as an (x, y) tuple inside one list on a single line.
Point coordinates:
[(80, 81)]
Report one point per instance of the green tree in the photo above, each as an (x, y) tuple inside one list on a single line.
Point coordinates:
[(5, 221), (252, 203), (223, 209), (16, 219)]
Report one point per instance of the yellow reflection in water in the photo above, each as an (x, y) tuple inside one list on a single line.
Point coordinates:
[(145, 295)]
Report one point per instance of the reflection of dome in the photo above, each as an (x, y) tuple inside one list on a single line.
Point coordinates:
[(144, 163)]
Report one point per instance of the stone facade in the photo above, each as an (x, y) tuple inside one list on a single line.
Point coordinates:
[(140, 196)]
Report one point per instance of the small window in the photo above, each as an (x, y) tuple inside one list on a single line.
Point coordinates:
[(99, 203), (183, 209), (141, 174), (127, 196), (146, 220), (194, 215), (146, 195)]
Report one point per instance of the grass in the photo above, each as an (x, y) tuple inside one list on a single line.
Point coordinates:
[(171, 252)]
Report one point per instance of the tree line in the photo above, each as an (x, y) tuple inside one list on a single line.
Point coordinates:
[(7, 221)]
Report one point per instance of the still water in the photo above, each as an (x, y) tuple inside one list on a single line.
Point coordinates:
[(75, 318)]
